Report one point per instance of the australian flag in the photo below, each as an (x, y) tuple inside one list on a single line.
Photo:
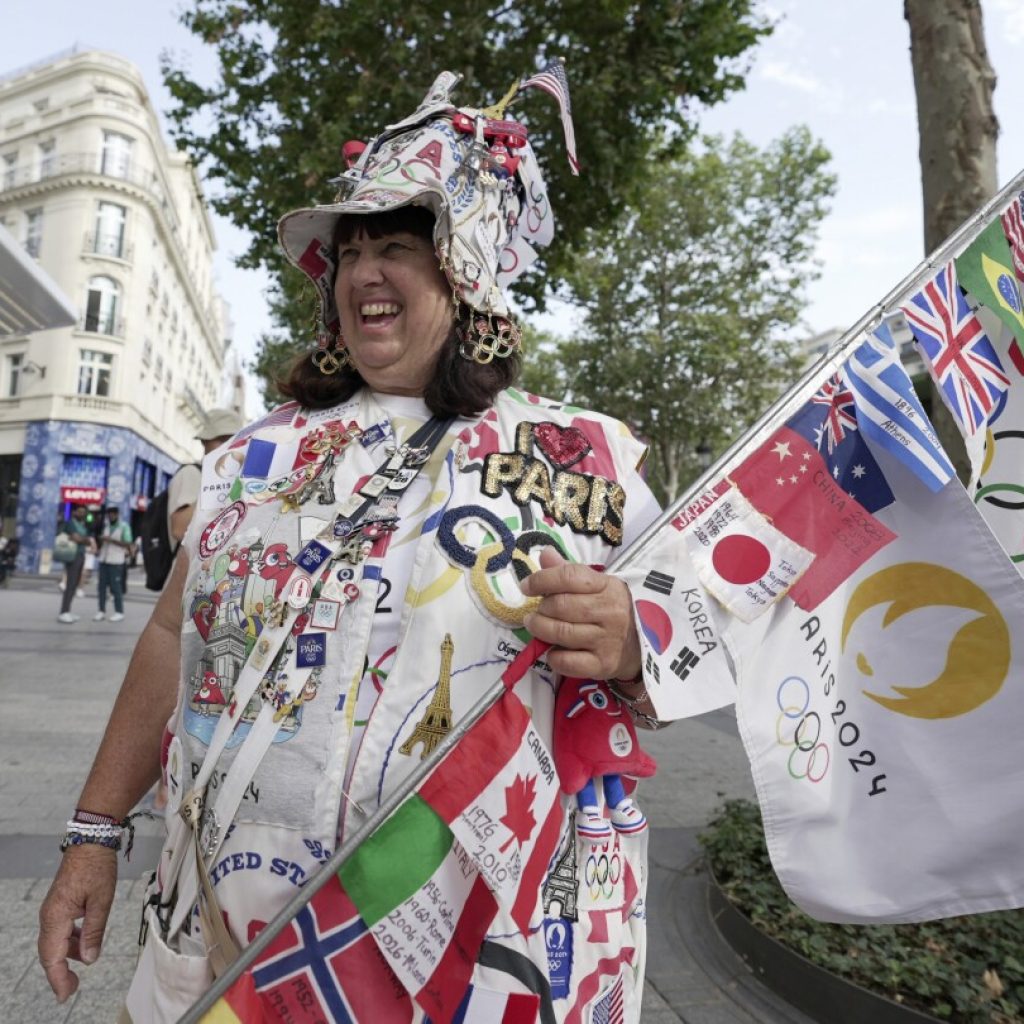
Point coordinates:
[(957, 349), (829, 422)]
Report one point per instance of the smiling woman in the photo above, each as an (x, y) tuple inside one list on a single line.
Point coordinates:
[(410, 344), (383, 548)]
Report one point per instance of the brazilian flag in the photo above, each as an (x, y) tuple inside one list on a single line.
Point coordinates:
[(985, 269)]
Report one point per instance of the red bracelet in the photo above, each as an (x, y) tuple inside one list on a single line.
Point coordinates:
[(93, 818)]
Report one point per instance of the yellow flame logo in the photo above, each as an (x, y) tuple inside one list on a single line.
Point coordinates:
[(978, 656)]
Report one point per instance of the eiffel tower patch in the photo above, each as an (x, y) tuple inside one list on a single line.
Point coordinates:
[(436, 722)]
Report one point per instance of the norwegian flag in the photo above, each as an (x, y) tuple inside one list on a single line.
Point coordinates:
[(326, 966), (957, 350), (840, 415), (1013, 228), (553, 80)]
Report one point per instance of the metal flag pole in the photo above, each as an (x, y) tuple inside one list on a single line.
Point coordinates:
[(776, 414)]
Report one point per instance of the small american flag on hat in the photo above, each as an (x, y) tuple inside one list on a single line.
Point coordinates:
[(552, 79)]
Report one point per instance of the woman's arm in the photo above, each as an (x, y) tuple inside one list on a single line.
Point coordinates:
[(126, 766)]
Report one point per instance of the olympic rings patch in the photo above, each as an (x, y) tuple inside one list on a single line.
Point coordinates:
[(498, 550)]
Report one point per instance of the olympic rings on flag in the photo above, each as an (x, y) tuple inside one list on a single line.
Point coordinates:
[(808, 772), (807, 696), (814, 753), (789, 711), (801, 741)]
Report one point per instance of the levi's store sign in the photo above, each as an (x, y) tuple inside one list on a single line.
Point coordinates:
[(83, 495)]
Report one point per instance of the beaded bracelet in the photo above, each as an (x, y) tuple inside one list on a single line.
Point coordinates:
[(88, 828)]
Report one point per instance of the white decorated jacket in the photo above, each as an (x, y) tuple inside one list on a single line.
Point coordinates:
[(524, 475)]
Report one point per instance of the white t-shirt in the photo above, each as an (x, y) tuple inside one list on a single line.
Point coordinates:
[(407, 415), (181, 491), (114, 554)]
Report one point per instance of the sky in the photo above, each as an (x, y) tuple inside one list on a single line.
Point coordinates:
[(842, 68)]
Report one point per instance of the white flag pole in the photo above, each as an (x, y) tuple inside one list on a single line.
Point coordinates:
[(780, 411)]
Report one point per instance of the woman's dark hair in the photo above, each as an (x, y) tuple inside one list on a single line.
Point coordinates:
[(458, 386)]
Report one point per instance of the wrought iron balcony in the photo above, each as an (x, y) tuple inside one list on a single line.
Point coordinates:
[(108, 243)]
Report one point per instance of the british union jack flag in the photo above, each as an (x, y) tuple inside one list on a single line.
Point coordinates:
[(958, 350), (840, 415)]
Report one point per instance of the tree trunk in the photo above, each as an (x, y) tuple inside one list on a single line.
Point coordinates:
[(954, 82)]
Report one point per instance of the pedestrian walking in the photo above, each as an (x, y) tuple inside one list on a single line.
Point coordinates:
[(8, 558), (115, 540), (78, 533)]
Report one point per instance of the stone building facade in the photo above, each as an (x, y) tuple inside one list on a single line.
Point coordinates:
[(104, 411)]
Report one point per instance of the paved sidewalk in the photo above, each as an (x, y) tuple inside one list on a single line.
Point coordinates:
[(57, 684)]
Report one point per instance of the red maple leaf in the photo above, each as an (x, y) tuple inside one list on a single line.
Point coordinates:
[(518, 815)]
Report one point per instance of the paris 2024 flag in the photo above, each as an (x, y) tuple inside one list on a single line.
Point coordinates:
[(883, 721)]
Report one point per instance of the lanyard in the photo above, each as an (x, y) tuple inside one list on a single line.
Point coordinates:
[(394, 475), (352, 540)]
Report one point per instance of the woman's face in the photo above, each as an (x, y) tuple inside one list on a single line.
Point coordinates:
[(396, 309)]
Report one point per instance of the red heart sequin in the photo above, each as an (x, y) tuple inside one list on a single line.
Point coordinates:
[(564, 446)]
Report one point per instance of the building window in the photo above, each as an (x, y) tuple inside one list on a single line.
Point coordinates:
[(147, 351), (94, 373), (47, 159), (15, 365), (159, 371), (144, 479), (101, 306), (108, 239), (10, 169), (117, 155), (34, 231)]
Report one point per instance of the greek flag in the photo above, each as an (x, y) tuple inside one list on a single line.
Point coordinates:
[(889, 412)]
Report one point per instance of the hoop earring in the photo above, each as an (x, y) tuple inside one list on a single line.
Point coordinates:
[(485, 338), (331, 355)]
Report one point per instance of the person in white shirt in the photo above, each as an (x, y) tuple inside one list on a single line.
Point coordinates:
[(115, 541)]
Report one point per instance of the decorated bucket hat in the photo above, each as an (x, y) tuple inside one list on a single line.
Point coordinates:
[(476, 172)]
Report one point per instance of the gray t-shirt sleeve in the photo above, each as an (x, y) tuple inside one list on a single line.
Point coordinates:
[(183, 490)]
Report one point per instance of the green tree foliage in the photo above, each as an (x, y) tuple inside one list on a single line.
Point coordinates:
[(690, 300), (298, 78)]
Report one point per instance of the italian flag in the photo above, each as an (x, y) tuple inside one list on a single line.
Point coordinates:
[(425, 903), (498, 792)]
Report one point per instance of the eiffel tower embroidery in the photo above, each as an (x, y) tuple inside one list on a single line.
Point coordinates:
[(436, 722), (562, 885)]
